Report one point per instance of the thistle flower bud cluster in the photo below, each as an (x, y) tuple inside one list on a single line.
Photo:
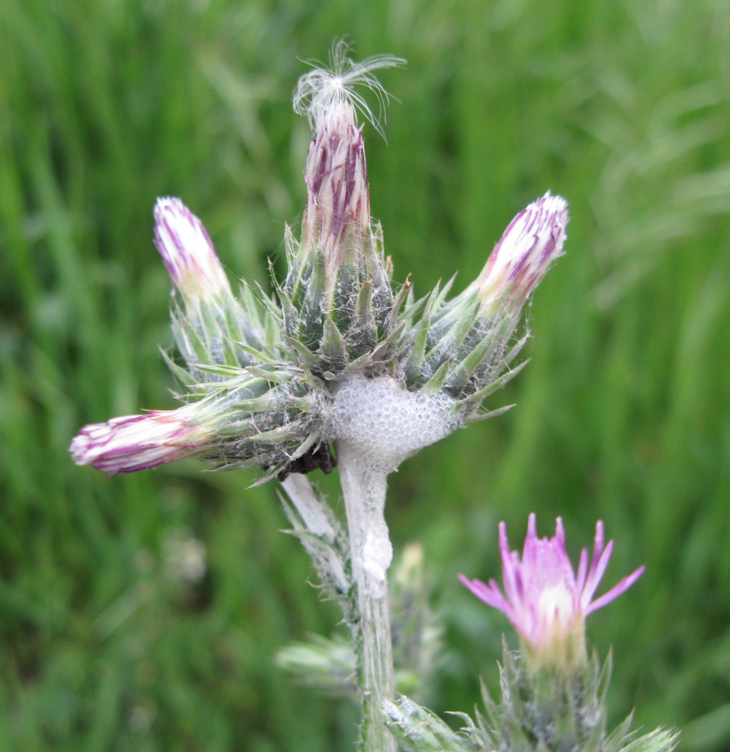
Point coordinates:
[(338, 353)]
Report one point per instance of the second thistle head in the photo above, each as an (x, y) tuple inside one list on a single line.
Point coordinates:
[(338, 280), (545, 599)]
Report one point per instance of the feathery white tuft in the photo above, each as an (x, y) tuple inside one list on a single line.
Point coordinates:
[(317, 91)]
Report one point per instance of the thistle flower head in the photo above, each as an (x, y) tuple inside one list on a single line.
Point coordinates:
[(257, 417), (519, 261), (544, 598), (187, 251), (337, 217), (338, 278)]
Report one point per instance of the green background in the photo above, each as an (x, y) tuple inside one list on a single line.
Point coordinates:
[(621, 107)]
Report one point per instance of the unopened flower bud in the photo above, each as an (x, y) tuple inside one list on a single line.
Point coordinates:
[(337, 217), (187, 251), (337, 295), (138, 442), (533, 240)]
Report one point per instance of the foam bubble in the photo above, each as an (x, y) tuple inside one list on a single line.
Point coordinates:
[(385, 423)]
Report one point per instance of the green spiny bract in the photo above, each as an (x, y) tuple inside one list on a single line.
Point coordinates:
[(544, 711)]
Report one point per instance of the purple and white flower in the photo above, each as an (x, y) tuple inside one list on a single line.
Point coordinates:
[(138, 442), (519, 261), (187, 250), (337, 216), (544, 598)]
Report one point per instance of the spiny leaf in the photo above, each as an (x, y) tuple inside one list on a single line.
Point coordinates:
[(265, 300), (380, 351), (414, 364), (413, 308), (305, 404), (364, 318), (233, 312), (306, 355), (515, 350), (306, 445), (461, 373), (263, 403), (605, 676), (452, 329), (274, 376), (436, 382), (231, 355), (290, 317), (491, 414), (444, 292), (400, 298), (478, 397), (228, 372), (257, 354), (333, 344), (180, 373), (209, 325), (280, 434)]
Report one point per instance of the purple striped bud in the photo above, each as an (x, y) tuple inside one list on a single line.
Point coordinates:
[(188, 251), (519, 261), (336, 221), (138, 442), (337, 216), (545, 600)]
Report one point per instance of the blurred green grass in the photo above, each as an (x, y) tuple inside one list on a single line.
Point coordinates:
[(622, 414)]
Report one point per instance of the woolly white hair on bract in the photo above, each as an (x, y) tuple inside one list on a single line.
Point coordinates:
[(322, 88)]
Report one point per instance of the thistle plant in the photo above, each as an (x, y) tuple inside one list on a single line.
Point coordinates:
[(342, 367)]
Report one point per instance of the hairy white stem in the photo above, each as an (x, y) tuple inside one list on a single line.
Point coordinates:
[(310, 508), (363, 488), (317, 520), (376, 423)]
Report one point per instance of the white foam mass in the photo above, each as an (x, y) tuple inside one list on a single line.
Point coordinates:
[(385, 423)]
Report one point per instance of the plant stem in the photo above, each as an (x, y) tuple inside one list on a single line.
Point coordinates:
[(363, 488)]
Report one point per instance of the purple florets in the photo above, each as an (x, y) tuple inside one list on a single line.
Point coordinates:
[(544, 598)]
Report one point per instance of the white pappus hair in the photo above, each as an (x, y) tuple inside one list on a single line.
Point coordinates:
[(317, 91)]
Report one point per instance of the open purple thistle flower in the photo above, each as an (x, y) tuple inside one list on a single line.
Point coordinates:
[(544, 598)]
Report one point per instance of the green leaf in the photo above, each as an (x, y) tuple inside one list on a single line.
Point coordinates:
[(180, 373), (478, 397), (334, 348), (436, 382)]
